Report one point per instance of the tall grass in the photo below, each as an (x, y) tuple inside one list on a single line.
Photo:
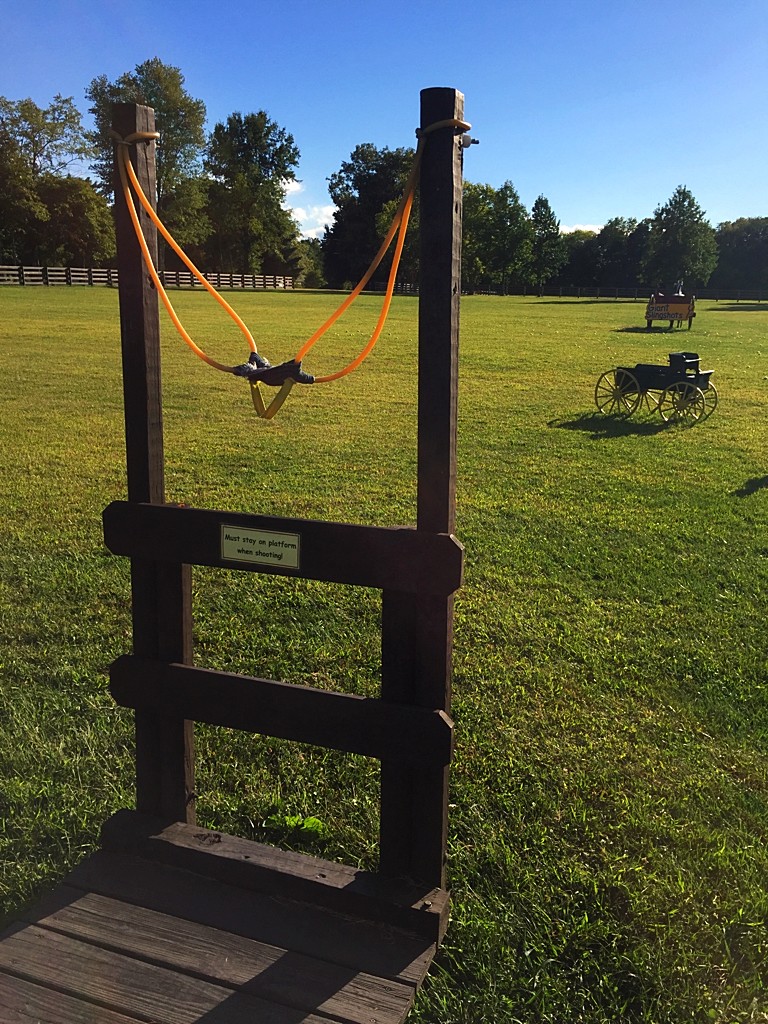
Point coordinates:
[(607, 841)]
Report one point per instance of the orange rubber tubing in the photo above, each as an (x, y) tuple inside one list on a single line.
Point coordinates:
[(399, 223), (126, 168)]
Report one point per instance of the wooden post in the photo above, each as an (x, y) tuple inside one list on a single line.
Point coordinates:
[(161, 593), (417, 630)]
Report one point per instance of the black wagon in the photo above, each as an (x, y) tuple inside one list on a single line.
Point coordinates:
[(681, 392)]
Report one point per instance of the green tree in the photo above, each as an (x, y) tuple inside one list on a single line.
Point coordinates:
[(496, 238), (20, 204), (178, 117), (408, 269), (509, 246), (581, 265), (49, 139), (309, 264), (638, 242), (79, 229), (549, 250), (250, 160), (681, 243), (44, 216), (186, 210), (613, 267), (742, 261), (361, 190), (475, 228), (251, 146)]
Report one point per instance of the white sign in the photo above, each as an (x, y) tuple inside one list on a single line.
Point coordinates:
[(260, 546)]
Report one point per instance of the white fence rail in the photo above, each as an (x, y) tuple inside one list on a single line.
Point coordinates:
[(57, 276)]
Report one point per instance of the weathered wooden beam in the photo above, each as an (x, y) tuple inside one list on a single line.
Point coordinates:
[(368, 556), (341, 721), (305, 927), (420, 909), (161, 594), (418, 632)]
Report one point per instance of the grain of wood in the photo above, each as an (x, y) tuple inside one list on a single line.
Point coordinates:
[(133, 987), (348, 941), (267, 971), (23, 1002)]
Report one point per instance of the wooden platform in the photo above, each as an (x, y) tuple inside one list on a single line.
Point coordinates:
[(182, 925)]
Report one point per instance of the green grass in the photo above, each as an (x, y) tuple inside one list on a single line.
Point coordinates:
[(610, 789)]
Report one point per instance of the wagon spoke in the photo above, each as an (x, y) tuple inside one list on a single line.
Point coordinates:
[(650, 400), (682, 402), (617, 393), (710, 400)]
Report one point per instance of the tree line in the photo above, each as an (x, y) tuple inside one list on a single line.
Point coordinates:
[(222, 195)]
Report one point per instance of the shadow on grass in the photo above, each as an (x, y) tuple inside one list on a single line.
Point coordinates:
[(585, 302), (757, 483), (602, 427), (645, 330), (740, 307)]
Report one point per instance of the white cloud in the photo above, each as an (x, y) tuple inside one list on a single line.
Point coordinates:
[(580, 227), (312, 218)]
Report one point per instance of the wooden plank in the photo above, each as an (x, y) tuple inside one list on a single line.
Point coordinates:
[(341, 721), (397, 557), (415, 669), (250, 865), (398, 810), (440, 216), (23, 1002), (269, 972), (127, 985), (356, 943), (161, 594), (414, 804), (139, 318), (162, 627)]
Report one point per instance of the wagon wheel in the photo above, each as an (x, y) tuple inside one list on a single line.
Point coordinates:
[(617, 393), (710, 400), (650, 400), (682, 402)]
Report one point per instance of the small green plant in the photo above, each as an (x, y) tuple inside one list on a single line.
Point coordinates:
[(295, 823)]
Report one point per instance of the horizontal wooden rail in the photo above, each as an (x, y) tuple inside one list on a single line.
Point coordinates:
[(256, 868), (341, 721), (393, 558)]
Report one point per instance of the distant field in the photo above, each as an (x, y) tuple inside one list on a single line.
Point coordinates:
[(608, 852)]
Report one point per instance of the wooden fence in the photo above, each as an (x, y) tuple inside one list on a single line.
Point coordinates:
[(55, 276), (641, 294)]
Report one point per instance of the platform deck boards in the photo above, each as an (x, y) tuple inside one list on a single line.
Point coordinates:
[(126, 939)]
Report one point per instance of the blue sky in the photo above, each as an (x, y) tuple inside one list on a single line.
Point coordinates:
[(604, 108)]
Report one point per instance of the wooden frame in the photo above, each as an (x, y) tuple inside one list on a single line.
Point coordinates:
[(418, 570)]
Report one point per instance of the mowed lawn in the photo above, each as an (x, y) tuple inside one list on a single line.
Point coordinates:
[(608, 853)]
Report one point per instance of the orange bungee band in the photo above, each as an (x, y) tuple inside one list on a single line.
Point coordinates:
[(257, 370)]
